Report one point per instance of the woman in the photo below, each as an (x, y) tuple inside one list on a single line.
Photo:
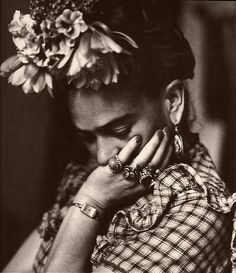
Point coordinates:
[(152, 201)]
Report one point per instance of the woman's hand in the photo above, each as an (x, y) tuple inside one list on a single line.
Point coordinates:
[(106, 189)]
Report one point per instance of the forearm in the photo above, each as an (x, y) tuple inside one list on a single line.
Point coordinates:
[(22, 262), (74, 243)]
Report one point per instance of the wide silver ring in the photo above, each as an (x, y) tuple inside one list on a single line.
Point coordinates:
[(130, 173), (146, 175), (115, 164)]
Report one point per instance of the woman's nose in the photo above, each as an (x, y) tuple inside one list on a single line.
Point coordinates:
[(105, 150)]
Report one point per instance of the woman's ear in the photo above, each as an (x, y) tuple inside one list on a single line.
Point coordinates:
[(174, 101)]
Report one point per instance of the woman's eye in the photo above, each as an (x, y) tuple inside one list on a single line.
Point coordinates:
[(124, 131)]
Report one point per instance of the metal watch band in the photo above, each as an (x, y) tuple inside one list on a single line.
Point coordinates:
[(87, 209)]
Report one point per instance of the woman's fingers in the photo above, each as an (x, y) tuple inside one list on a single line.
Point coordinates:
[(166, 160), (160, 155), (126, 153), (148, 150)]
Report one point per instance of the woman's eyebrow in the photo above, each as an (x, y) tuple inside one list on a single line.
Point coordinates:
[(117, 121), (112, 123)]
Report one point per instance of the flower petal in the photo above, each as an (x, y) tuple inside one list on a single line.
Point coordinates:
[(48, 79), (85, 44), (110, 44), (96, 42), (27, 87), (50, 91), (74, 67), (16, 15), (115, 78), (107, 75), (113, 63), (9, 65), (30, 71), (18, 77), (64, 60), (38, 82), (19, 42)]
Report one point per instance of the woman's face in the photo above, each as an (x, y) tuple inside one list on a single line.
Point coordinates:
[(106, 119)]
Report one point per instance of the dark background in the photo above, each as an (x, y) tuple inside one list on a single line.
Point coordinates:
[(34, 148)]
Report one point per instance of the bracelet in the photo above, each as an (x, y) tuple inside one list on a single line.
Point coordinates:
[(87, 209)]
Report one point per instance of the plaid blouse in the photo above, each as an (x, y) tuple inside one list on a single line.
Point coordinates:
[(180, 226)]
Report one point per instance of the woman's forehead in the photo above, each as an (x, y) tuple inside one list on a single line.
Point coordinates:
[(98, 108), (103, 99)]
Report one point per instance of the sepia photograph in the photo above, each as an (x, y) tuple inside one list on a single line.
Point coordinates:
[(118, 136)]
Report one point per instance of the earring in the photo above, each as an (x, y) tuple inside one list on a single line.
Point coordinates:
[(178, 144)]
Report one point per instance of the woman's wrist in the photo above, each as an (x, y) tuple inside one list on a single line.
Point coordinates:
[(84, 198)]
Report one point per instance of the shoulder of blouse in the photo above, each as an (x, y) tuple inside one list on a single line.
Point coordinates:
[(199, 175)]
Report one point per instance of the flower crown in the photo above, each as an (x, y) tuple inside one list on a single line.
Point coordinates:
[(63, 48)]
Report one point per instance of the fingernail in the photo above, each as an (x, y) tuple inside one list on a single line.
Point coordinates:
[(159, 133), (138, 139), (166, 131)]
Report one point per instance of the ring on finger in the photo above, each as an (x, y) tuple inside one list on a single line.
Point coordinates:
[(150, 168), (146, 175), (156, 174), (115, 164), (130, 173)]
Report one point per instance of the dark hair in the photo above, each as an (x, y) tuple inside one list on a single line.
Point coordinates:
[(164, 54)]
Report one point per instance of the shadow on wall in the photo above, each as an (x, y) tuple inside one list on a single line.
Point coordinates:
[(210, 27), (28, 151), (36, 143)]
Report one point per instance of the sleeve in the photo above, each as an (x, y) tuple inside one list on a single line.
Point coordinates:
[(177, 232)]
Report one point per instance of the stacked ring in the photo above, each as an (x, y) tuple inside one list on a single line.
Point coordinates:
[(115, 164), (146, 174), (130, 173)]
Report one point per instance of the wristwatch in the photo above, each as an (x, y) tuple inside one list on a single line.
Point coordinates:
[(87, 209)]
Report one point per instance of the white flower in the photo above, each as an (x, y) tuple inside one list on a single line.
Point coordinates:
[(94, 58), (104, 44), (32, 78), (24, 36), (21, 25), (83, 57), (71, 23)]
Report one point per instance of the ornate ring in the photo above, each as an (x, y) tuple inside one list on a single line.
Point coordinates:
[(130, 173), (146, 174), (115, 164), (156, 174)]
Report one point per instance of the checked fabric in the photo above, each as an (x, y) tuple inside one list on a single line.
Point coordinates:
[(182, 225)]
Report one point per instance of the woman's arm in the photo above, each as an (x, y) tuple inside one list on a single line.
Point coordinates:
[(75, 240), (23, 260)]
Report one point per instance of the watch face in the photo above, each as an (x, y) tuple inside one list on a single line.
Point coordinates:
[(89, 210)]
